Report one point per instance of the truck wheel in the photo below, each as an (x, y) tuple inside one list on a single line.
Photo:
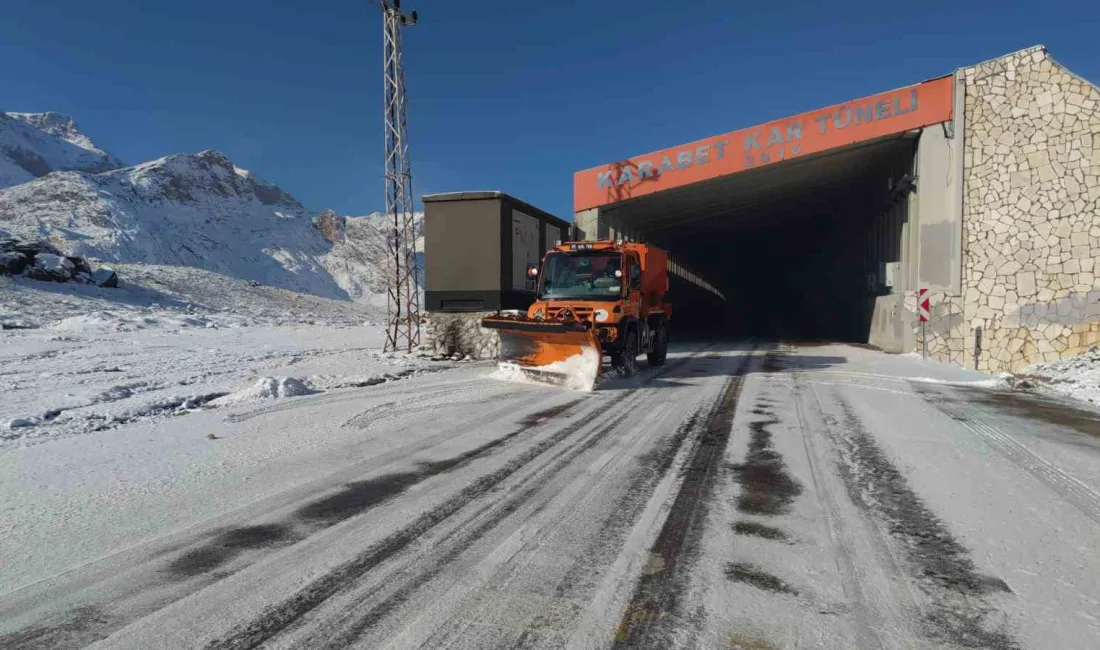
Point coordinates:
[(659, 352), (626, 361)]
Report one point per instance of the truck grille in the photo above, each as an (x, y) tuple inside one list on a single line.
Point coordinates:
[(583, 313)]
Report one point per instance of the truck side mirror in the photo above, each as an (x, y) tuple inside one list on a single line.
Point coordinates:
[(532, 276)]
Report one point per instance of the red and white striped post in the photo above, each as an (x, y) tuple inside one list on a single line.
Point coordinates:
[(924, 306)]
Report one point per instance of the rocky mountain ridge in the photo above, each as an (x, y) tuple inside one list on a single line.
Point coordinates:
[(188, 210), (33, 145)]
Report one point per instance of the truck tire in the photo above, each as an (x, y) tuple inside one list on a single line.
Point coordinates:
[(626, 361), (659, 352)]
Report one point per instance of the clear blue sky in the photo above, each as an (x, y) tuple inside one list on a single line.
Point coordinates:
[(512, 95)]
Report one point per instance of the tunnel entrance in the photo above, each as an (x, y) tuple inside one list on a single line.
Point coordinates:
[(800, 249), (802, 223)]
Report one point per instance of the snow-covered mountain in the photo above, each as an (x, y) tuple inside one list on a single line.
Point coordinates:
[(184, 211), (359, 252), (35, 144), (202, 211)]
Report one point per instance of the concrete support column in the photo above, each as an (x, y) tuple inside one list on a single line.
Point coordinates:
[(589, 225), (594, 225), (939, 209)]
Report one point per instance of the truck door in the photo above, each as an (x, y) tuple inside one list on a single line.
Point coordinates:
[(633, 301)]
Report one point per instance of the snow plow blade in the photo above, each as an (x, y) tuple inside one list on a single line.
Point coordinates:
[(562, 353)]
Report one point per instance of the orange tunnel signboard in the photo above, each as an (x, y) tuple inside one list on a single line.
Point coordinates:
[(864, 119)]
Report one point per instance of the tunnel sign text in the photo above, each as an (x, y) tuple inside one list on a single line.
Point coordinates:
[(763, 145)]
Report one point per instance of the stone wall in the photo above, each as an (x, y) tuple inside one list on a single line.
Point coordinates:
[(1031, 218), (450, 334)]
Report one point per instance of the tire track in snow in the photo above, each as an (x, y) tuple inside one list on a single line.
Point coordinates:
[(353, 499), (570, 587), (1071, 489), (192, 562), (511, 596), (277, 618), (958, 611), (400, 406), (607, 543), (335, 398), (874, 619), (225, 550), (656, 596), (767, 487), (280, 618), (451, 545), (465, 538)]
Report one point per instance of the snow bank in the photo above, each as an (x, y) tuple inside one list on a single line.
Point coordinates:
[(21, 423), (266, 388), (330, 382), (1077, 376), (99, 320), (106, 321), (1003, 380)]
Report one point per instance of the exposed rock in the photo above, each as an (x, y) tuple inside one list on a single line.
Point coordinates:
[(105, 277), (80, 265), (332, 226), (50, 267), (42, 261), (13, 262), (32, 249)]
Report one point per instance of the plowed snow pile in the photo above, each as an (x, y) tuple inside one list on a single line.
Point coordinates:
[(266, 388), (1077, 376)]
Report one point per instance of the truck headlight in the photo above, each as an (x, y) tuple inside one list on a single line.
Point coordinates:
[(600, 315)]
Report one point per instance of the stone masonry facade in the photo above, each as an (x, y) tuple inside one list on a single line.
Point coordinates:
[(460, 334), (1031, 218)]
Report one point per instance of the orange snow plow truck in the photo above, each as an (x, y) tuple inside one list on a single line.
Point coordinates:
[(592, 299)]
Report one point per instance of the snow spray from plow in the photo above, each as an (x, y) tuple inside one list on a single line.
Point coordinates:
[(577, 372), (562, 353)]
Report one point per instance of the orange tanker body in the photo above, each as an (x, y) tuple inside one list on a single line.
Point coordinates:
[(592, 299)]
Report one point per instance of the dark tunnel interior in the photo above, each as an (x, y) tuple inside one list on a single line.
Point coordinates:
[(804, 280), (796, 248)]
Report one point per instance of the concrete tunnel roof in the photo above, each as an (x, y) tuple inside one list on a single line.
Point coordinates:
[(738, 202)]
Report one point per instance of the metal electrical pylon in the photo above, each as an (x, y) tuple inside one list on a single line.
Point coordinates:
[(403, 301)]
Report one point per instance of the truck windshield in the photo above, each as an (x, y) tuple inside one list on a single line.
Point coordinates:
[(583, 276)]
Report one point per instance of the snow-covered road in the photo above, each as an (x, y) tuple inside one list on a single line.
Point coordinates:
[(747, 495)]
